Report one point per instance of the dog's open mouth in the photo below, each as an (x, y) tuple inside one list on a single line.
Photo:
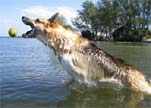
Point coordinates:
[(30, 33)]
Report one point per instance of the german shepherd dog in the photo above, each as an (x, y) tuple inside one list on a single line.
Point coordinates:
[(81, 58)]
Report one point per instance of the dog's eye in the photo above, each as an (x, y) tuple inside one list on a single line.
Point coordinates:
[(37, 20)]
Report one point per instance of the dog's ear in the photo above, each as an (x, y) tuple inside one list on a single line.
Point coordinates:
[(54, 18)]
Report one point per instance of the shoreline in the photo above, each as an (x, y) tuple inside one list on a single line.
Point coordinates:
[(92, 40), (123, 41)]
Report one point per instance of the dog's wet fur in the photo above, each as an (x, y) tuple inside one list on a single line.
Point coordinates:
[(82, 59)]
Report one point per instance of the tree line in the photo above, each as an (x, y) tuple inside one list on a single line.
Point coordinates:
[(118, 20)]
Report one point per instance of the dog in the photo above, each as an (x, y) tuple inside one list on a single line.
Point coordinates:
[(81, 58)]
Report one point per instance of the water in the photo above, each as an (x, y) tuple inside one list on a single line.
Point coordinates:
[(30, 77)]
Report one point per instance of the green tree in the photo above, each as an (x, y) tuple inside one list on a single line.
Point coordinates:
[(87, 18), (62, 20), (107, 13), (135, 19), (122, 20)]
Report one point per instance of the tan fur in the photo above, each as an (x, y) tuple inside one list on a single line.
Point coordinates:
[(83, 60)]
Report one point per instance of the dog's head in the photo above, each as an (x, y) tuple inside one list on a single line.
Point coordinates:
[(39, 27), (50, 31)]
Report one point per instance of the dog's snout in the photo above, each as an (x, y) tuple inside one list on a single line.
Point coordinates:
[(24, 18), (28, 21)]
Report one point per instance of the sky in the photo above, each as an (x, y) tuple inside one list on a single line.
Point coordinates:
[(11, 12)]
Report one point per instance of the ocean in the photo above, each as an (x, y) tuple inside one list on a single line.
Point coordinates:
[(31, 77)]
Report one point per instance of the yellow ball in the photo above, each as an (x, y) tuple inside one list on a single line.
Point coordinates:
[(12, 32)]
